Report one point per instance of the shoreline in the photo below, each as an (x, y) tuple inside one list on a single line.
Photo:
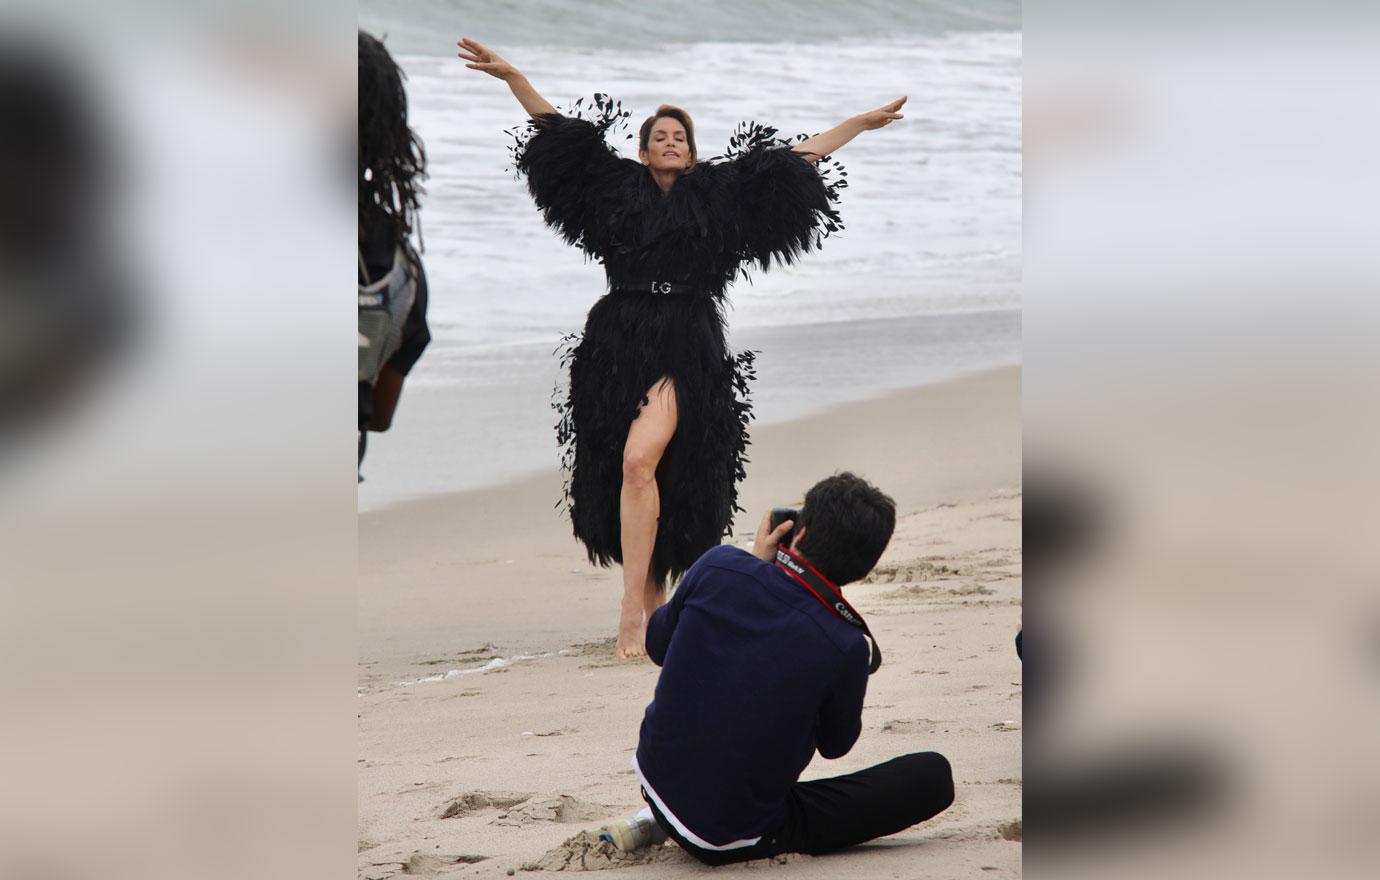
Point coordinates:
[(515, 535), (803, 371)]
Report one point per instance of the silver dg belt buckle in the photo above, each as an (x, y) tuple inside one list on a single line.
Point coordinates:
[(661, 287)]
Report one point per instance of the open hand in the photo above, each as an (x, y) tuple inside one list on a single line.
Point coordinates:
[(481, 57), (882, 115)]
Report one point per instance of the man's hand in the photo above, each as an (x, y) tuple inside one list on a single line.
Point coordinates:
[(764, 546)]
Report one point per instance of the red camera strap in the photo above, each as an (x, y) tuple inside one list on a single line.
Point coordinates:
[(808, 577)]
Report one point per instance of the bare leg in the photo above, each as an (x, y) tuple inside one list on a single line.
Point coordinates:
[(639, 507), (653, 597)]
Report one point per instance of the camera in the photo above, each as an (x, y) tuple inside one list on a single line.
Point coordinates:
[(780, 515)]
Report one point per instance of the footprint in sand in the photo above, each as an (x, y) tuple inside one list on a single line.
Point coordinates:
[(419, 788), (562, 731), (916, 591), (919, 725), (476, 801), (600, 654), (918, 570), (421, 864), (596, 648), (427, 864), (970, 590), (560, 808), (586, 852), (1001, 831), (911, 591)]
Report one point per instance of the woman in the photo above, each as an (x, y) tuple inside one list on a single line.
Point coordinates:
[(655, 423)]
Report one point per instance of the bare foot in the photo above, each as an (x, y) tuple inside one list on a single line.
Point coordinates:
[(632, 633)]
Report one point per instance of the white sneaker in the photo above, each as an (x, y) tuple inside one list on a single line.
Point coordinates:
[(634, 833)]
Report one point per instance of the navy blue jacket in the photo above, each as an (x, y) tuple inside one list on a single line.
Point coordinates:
[(756, 674)]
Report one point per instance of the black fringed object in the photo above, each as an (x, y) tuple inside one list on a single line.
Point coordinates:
[(758, 204)]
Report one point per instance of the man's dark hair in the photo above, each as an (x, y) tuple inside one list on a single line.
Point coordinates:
[(391, 159), (848, 522)]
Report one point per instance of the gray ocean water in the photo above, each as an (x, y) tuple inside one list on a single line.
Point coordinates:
[(922, 285)]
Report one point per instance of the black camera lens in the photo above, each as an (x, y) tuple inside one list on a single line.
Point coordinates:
[(780, 515)]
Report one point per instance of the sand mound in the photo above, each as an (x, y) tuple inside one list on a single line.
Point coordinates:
[(474, 801), (586, 852), (561, 808)]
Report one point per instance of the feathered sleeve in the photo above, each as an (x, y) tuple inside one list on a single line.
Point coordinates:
[(570, 167), (784, 204)]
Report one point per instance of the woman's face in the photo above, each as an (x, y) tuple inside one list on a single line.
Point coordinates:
[(667, 146)]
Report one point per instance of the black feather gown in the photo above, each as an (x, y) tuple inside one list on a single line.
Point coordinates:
[(758, 204)]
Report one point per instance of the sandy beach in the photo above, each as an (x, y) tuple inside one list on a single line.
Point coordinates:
[(496, 726)]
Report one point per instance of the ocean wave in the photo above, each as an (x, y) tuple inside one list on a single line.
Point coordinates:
[(431, 27)]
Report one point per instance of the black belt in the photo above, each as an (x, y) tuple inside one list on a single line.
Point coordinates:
[(658, 287)]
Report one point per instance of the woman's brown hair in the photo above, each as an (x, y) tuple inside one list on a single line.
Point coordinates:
[(667, 111)]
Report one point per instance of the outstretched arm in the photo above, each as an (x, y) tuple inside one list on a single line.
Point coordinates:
[(829, 141), (482, 58)]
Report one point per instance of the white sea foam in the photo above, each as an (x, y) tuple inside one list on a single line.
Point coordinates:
[(932, 208), (495, 663)]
